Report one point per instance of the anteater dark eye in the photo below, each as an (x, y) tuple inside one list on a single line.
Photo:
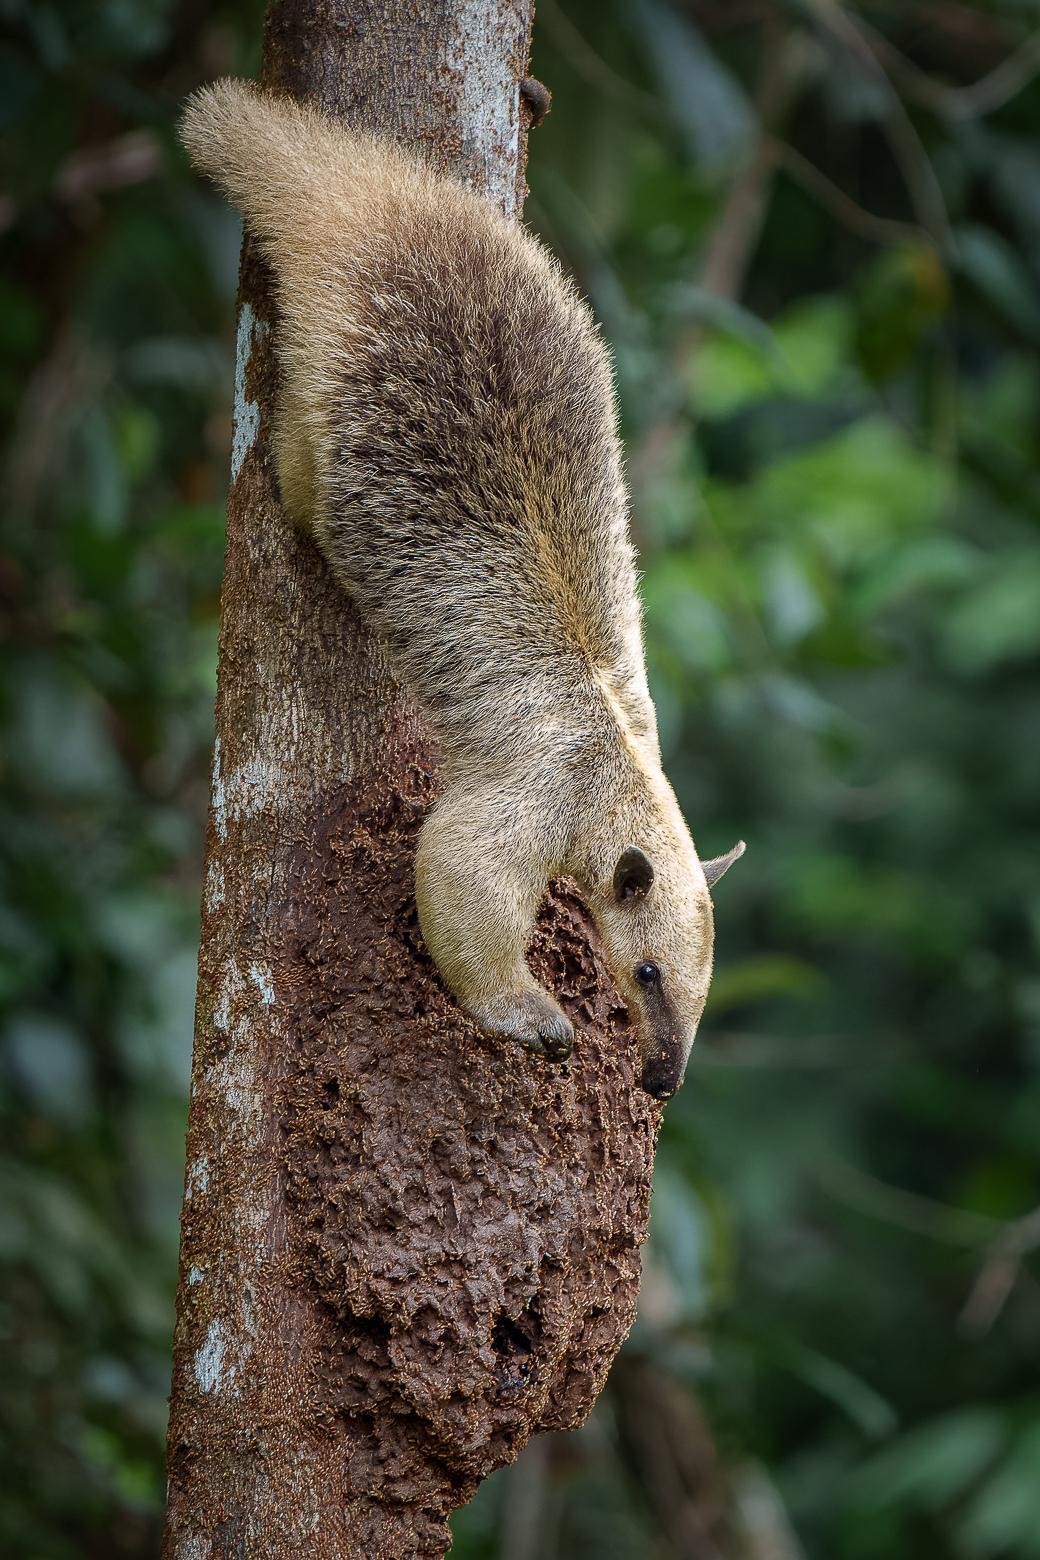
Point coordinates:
[(647, 974)]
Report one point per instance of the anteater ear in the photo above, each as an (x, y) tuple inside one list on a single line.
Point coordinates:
[(633, 875), (714, 869)]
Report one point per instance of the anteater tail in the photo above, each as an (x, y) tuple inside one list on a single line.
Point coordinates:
[(286, 167)]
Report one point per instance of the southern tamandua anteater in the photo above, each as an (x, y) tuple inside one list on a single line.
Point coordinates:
[(447, 434)]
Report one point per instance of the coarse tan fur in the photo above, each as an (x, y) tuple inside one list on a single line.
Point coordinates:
[(447, 434)]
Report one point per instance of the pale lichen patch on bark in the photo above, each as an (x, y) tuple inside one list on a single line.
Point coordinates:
[(256, 785), (194, 1547), (231, 986), (219, 801), (209, 1360), (198, 1177), (214, 893), (261, 978), (234, 1079), (232, 1076), (488, 102), (247, 412)]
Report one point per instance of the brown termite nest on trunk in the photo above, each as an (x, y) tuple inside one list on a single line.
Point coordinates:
[(469, 1215)]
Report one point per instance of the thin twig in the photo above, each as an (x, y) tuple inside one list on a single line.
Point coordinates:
[(907, 1210), (999, 1273), (90, 171), (908, 149), (723, 273), (923, 188), (992, 91), (589, 63), (846, 211), (69, 374), (735, 236)]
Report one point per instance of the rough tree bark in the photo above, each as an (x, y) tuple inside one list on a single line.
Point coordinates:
[(406, 1247)]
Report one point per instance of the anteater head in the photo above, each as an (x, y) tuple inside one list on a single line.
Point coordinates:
[(654, 912)]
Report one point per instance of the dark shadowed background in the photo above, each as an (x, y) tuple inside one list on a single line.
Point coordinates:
[(812, 232)]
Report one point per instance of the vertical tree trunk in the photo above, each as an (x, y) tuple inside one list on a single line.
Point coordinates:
[(405, 1246)]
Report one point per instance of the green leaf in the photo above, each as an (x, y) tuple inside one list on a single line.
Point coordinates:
[(1004, 1518), (914, 566), (934, 1463), (865, 1407), (706, 99), (996, 269), (999, 620), (898, 300), (803, 354)]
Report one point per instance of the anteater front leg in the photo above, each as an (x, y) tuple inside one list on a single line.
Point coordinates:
[(480, 876)]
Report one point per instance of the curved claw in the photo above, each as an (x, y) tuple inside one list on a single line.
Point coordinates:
[(557, 1046), (532, 1018)]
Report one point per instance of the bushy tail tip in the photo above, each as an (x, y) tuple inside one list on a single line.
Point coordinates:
[(219, 123)]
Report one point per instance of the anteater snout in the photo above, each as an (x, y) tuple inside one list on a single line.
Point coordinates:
[(661, 1077)]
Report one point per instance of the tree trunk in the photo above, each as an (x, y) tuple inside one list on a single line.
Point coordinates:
[(406, 1246)]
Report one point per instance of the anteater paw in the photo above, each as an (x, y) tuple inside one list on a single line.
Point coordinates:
[(533, 1018)]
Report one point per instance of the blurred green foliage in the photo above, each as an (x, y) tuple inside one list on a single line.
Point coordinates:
[(812, 232)]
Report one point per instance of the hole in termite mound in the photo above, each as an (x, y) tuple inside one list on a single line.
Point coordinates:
[(514, 1343), (508, 1338)]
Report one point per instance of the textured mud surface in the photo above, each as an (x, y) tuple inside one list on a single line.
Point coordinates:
[(469, 1215)]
